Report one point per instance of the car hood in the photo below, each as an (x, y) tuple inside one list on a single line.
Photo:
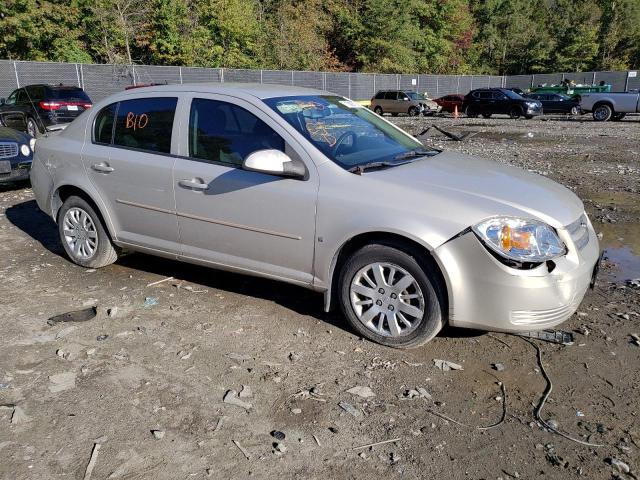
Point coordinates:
[(465, 190), (10, 135)]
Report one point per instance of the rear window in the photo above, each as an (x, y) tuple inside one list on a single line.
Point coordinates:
[(145, 124), (68, 95)]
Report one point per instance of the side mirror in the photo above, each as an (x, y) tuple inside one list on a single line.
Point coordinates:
[(274, 162)]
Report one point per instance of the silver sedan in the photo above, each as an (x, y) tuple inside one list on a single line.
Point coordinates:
[(310, 188)]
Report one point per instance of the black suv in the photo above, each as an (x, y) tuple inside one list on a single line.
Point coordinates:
[(46, 105), (487, 101)]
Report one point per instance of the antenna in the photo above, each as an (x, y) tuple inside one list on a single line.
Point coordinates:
[(46, 132)]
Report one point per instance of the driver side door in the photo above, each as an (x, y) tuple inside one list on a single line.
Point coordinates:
[(230, 217)]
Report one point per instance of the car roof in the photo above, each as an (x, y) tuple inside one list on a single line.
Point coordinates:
[(259, 90)]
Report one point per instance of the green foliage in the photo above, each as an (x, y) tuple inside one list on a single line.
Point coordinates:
[(393, 36)]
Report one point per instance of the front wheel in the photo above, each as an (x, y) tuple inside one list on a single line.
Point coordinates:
[(515, 112), (414, 112), (575, 111), (391, 297), (470, 112), (83, 235)]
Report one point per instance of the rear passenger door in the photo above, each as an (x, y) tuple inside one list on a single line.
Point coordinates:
[(128, 159), (232, 217)]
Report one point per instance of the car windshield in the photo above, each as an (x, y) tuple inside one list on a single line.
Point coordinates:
[(345, 131), (511, 94)]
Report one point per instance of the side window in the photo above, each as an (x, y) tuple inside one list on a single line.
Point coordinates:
[(379, 95), (227, 133), (145, 124), (499, 96), (12, 98), (391, 96), (103, 125), (21, 97), (476, 94)]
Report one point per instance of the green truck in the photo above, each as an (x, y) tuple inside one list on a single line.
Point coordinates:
[(572, 89)]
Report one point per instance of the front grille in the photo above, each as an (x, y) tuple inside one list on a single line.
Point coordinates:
[(579, 232), (8, 149)]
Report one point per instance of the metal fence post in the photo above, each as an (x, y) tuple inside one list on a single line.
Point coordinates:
[(458, 86), (78, 76), (324, 80), (222, 75), (15, 69), (349, 77), (626, 81), (437, 86), (374, 85), (180, 72), (593, 80), (533, 81), (81, 77), (261, 76), (292, 77)]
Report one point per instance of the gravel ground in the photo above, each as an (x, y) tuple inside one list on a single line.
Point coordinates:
[(139, 389)]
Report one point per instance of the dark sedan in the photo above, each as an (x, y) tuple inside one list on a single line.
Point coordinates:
[(557, 103), (16, 154)]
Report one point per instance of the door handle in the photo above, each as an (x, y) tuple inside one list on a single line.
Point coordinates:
[(102, 167), (193, 184)]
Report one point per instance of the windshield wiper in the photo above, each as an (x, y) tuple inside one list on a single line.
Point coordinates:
[(418, 152), (360, 169)]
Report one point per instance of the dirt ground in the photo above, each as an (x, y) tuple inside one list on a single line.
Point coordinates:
[(142, 387)]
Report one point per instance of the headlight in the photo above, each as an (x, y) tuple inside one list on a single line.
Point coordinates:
[(24, 149), (532, 104), (32, 144), (520, 240)]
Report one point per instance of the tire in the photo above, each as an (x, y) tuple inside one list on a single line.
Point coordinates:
[(378, 110), (602, 112), (425, 288), (71, 213), (618, 116), (413, 112), (515, 112), (486, 115), (32, 128), (575, 111), (470, 112)]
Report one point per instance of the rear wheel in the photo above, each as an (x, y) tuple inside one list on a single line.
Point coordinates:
[(32, 127), (602, 112), (378, 110), (515, 112), (83, 235), (391, 297)]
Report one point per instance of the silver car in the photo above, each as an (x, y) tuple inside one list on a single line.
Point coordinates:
[(310, 188)]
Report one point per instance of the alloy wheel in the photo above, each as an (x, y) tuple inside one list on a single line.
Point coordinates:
[(387, 299), (80, 233)]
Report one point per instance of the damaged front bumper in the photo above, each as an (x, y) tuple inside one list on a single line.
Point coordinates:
[(486, 294)]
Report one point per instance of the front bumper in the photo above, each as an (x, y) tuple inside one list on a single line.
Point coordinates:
[(537, 110), (14, 172), (488, 295)]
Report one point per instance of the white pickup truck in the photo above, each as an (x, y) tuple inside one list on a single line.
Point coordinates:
[(610, 106)]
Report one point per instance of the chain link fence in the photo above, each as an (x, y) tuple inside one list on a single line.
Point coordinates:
[(100, 81)]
